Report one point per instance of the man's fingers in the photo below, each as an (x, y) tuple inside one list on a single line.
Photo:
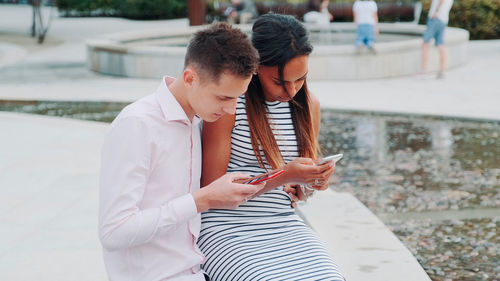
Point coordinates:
[(250, 189), (238, 177)]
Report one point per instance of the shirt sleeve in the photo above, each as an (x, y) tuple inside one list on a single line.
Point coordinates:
[(125, 166)]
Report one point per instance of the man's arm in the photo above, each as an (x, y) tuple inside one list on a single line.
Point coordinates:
[(354, 13), (125, 169)]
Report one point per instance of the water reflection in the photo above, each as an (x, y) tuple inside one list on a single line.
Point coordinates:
[(406, 163)]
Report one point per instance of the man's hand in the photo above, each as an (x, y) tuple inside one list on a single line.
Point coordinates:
[(225, 193)]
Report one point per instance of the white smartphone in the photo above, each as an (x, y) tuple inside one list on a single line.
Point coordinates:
[(333, 158)]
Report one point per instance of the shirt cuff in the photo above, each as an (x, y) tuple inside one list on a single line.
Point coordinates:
[(182, 209)]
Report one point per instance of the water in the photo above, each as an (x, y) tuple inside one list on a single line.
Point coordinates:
[(90, 111), (434, 181), (422, 163)]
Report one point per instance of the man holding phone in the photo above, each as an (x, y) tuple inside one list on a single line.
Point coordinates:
[(150, 196)]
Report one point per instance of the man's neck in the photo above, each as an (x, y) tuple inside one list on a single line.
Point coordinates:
[(177, 88)]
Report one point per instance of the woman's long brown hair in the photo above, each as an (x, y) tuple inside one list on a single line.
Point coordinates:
[(278, 39)]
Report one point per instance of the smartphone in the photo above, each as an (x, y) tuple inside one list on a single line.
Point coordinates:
[(333, 158), (264, 177)]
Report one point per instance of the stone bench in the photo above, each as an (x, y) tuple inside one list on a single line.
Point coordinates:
[(364, 248)]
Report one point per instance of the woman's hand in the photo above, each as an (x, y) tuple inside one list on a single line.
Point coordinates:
[(292, 193), (306, 171), (322, 182), (297, 193)]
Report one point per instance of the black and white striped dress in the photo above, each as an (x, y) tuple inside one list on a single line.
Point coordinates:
[(263, 239)]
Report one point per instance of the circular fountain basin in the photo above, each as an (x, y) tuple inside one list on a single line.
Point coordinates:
[(154, 53)]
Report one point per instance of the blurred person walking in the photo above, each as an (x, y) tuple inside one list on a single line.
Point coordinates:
[(436, 24)]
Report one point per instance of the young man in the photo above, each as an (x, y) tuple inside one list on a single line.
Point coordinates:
[(436, 24), (150, 200)]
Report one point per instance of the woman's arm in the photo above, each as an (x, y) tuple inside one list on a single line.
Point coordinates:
[(216, 142)]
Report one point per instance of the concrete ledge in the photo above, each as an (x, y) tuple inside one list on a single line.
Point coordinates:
[(362, 245), (152, 53)]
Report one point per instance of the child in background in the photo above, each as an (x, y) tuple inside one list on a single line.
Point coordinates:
[(366, 19)]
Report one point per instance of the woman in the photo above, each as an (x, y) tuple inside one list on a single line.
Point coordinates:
[(276, 123)]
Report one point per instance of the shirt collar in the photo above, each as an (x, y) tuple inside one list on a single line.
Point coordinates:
[(172, 110)]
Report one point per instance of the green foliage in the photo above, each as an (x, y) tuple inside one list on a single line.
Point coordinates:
[(151, 9), (84, 6), (480, 17), (134, 9)]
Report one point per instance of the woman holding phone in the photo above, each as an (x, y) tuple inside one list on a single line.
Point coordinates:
[(276, 126)]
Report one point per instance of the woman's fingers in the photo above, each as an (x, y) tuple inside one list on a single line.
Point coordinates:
[(325, 167), (290, 189), (304, 160), (293, 197)]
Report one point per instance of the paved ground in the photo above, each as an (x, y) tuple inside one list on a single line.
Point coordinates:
[(48, 208), (49, 166)]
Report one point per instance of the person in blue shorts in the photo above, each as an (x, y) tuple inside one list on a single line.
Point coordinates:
[(366, 19), (436, 25)]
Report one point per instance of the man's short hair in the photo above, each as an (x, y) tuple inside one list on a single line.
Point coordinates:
[(221, 48)]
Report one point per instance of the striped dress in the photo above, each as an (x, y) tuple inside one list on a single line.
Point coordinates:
[(263, 239)]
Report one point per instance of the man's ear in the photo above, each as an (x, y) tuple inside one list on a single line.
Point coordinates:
[(189, 76)]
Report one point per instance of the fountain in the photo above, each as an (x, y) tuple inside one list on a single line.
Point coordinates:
[(154, 53)]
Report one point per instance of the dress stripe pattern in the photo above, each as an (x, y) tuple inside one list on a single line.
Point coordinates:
[(263, 239)]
